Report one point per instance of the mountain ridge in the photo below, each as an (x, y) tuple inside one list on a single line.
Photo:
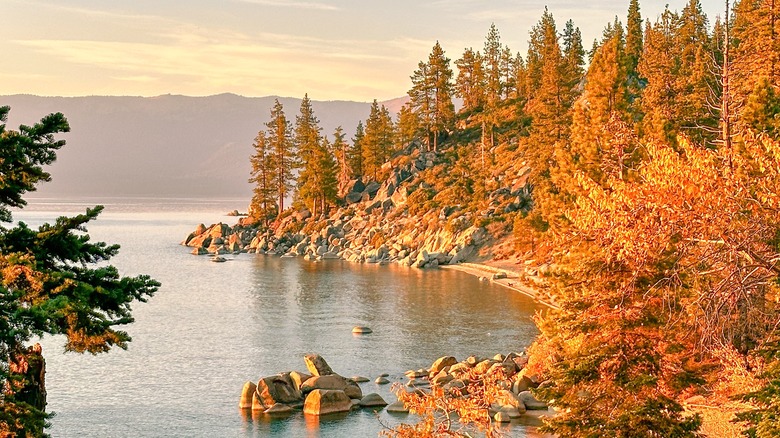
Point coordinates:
[(167, 145)]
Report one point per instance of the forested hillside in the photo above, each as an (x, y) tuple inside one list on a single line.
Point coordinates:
[(640, 171)]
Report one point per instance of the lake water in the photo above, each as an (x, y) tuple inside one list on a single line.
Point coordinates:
[(213, 326)]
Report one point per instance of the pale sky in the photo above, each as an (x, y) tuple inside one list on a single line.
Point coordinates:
[(331, 49)]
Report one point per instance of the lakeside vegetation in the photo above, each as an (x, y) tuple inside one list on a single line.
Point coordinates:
[(641, 173)]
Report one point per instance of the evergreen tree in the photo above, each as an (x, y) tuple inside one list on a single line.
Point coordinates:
[(50, 284), (491, 58), (263, 205), (408, 126), (317, 180), (282, 147), (573, 56), (552, 96), (658, 66), (602, 108), (355, 156), (470, 83), (634, 41), (378, 140), (306, 132), (431, 95), (755, 56), (341, 154)]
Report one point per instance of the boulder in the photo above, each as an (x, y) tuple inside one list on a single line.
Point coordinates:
[(459, 368), (201, 240), (482, 367), (372, 400), (521, 383), (441, 378), (397, 407), (247, 394), (508, 398), (361, 330), (317, 365), (412, 374), (441, 363), (298, 378), (371, 189), (324, 401), (381, 380), (277, 389), (530, 402), (502, 417), (199, 250), (359, 379), (353, 197), (279, 409), (332, 382)]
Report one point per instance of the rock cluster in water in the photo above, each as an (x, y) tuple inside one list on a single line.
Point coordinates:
[(320, 392), (454, 378), (323, 392)]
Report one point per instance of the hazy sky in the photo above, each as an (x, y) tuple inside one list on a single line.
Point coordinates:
[(332, 49)]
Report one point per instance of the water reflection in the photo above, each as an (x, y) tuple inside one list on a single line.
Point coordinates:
[(416, 316)]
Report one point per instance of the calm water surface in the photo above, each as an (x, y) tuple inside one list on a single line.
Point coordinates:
[(213, 326)]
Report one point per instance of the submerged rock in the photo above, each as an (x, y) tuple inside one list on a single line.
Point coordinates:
[(362, 330), (372, 400)]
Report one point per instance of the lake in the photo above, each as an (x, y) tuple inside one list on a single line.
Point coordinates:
[(213, 326)]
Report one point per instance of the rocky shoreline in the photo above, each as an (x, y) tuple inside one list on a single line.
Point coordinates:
[(321, 391), (359, 237)]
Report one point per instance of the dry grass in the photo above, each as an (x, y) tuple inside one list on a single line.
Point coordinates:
[(716, 420)]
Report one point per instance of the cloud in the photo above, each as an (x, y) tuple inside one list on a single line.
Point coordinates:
[(293, 4), (200, 61)]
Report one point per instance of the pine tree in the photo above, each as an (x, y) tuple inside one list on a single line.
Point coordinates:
[(372, 143), (634, 38), (341, 155), (50, 281), (573, 56), (317, 179), (263, 205), (491, 58), (282, 147), (633, 53), (602, 108), (355, 156), (470, 83), (552, 96), (755, 56), (431, 95), (306, 132), (408, 126)]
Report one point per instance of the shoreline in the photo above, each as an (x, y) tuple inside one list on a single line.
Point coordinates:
[(512, 280)]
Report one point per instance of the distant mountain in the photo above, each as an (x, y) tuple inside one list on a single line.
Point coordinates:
[(165, 146)]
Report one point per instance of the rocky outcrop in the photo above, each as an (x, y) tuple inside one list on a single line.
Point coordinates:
[(383, 221), (321, 392)]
